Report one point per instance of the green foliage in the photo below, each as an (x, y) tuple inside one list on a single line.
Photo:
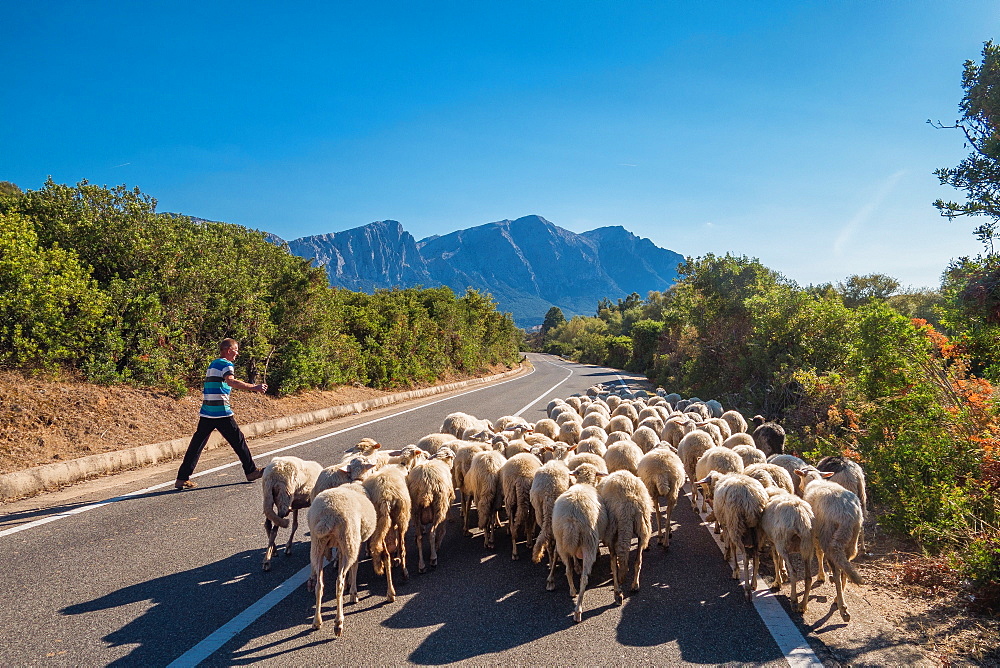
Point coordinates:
[(970, 310), (94, 279), (979, 174), (860, 290), (553, 318)]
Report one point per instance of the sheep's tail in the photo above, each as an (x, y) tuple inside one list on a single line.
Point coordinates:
[(844, 537), (269, 508)]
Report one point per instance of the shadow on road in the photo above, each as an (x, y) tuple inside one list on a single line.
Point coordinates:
[(183, 607)]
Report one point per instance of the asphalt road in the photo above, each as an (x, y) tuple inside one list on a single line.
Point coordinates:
[(144, 580)]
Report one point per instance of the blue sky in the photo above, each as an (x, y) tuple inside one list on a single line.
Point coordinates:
[(789, 131)]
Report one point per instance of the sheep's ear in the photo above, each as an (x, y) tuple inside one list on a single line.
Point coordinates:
[(571, 448), (395, 453), (704, 481), (367, 466), (344, 469), (801, 473), (547, 448), (673, 448), (826, 474), (377, 445), (353, 448), (602, 474)]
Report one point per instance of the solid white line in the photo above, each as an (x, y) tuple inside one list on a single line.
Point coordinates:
[(548, 391), (227, 631), (124, 497), (786, 634)]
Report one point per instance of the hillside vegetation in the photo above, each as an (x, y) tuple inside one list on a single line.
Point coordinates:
[(95, 284)]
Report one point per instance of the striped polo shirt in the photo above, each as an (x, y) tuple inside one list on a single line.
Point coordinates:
[(215, 391)]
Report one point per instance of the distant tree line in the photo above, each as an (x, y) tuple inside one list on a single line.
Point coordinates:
[(93, 281)]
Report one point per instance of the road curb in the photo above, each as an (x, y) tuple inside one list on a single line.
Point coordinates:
[(50, 477)]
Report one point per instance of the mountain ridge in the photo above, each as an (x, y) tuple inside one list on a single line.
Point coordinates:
[(527, 264)]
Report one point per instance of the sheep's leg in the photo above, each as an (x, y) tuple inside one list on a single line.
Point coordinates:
[(821, 572), (466, 507), (615, 579), (588, 563), (550, 581), (840, 580), (656, 516), (756, 570), (295, 525), (777, 557), (401, 543), (666, 520), (354, 582), (436, 538), (421, 566), (638, 567), (807, 583), (512, 525), (569, 573), (271, 529), (338, 622), (390, 590), (316, 560)]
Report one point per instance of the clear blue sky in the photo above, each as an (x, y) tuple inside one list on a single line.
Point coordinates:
[(789, 131)]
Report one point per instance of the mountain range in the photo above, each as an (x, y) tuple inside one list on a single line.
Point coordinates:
[(528, 265)]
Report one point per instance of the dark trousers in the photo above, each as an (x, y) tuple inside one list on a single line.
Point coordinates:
[(230, 431)]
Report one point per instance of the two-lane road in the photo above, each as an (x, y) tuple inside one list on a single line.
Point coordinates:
[(163, 575)]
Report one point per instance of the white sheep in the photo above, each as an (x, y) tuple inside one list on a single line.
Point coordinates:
[(431, 443), (458, 423), (431, 495), (594, 432), (718, 459), (628, 506), (715, 407), (579, 520), (620, 423), (627, 410), (787, 521), (776, 474), (749, 454), (737, 423), (837, 529), (507, 422), (848, 474), (482, 484), (587, 458), (690, 449), (646, 438), (569, 432), (623, 455), (790, 463), (516, 476), (370, 449), (547, 427), (339, 519), (551, 480), (655, 423), (595, 419), (387, 490), (662, 472), (464, 452), (675, 429), (287, 483), (593, 444), (739, 503), (740, 438), (617, 436), (352, 470)]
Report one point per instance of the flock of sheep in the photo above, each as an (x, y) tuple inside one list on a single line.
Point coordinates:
[(601, 468)]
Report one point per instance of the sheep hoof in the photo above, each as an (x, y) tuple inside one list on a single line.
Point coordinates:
[(406, 576), (846, 615), (288, 551), (391, 598), (338, 629), (434, 563), (267, 566), (577, 617), (550, 586), (776, 587), (317, 625), (421, 570), (514, 557), (619, 598)]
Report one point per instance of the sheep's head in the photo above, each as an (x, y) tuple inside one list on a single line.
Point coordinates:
[(358, 468), (446, 455), (809, 474), (587, 474), (366, 446), (708, 483)]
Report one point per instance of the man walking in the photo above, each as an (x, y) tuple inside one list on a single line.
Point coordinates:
[(216, 414)]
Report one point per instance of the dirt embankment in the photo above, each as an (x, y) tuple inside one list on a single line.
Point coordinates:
[(43, 421)]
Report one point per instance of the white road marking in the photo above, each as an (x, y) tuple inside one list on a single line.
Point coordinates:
[(548, 391), (786, 634), (227, 631), (125, 497)]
